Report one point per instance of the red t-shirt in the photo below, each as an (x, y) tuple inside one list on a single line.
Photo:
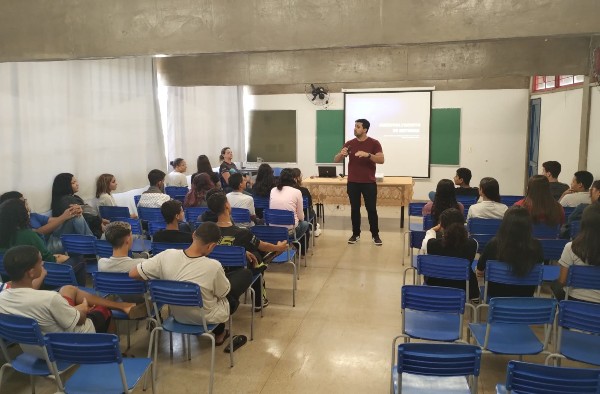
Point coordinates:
[(362, 169)]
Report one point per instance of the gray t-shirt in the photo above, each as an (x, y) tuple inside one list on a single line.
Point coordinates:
[(557, 189)]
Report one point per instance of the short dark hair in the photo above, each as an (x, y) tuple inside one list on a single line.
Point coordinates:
[(216, 202), (116, 232), (365, 123), (490, 188), (585, 178), (208, 232), (20, 259), (155, 176), (464, 174), (10, 196), (553, 167), (235, 180), (170, 209)]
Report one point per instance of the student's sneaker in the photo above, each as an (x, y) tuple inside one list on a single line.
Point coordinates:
[(318, 230), (257, 308), (377, 240), (353, 239)]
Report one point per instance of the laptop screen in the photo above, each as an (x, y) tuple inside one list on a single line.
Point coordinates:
[(327, 172)]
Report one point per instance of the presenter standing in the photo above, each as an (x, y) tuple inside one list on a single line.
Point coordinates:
[(363, 154)]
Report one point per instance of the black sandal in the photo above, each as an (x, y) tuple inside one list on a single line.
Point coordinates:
[(238, 341)]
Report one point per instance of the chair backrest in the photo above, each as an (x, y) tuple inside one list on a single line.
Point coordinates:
[(229, 256), (543, 231), (416, 239), (433, 299), (83, 348), (103, 248), (176, 191), (114, 213), (415, 209), (509, 201), (482, 240), (20, 329), (136, 199), (438, 359), (483, 226), (522, 310), (79, 244), (270, 234), (574, 228), (240, 215), (582, 277), (59, 275), (443, 267), (172, 292), (150, 214), (277, 171), (261, 202), (305, 207), (568, 211), (117, 283), (427, 222), (280, 217), (192, 214), (500, 272), (158, 247), (2, 270), (154, 226), (553, 248), (577, 315), (536, 378), (136, 227)]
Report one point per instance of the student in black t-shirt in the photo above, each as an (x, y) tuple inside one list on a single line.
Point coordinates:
[(172, 211), (454, 242), (462, 180), (236, 236), (514, 244)]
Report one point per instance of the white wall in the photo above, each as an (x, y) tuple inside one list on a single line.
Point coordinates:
[(486, 115), (593, 163), (560, 125)]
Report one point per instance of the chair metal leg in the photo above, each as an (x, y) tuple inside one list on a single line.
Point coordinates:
[(252, 295), (171, 344), (230, 340), (294, 287), (189, 347), (212, 363)]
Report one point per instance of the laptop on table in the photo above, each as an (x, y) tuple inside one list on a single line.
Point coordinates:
[(327, 172)]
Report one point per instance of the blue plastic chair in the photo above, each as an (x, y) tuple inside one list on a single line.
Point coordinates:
[(427, 222), (541, 379), (192, 214), (436, 368), (2, 270), (59, 275), (155, 226), (83, 245), (24, 330), (500, 272), (273, 235), (240, 216), (235, 257), (277, 171), (114, 213), (102, 366), (282, 217), (483, 226), (574, 228), (578, 336), (170, 292), (508, 330), (482, 240), (176, 191), (553, 248), (444, 267), (261, 202), (415, 209), (119, 283), (582, 277), (509, 201), (543, 231), (136, 199), (158, 247), (466, 201), (415, 241), (103, 249), (311, 223), (150, 214), (568, 211), (136, 227)]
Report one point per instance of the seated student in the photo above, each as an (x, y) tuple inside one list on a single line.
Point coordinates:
[(64, 189), (196, 197), (177, 176), (454, 242), (220, 292), (174, 216), (584, 250), (445, 197), (264, 183), (490, 206), (105, 185), (286, 197), (118, 234), (312, 216), (551, 170), (238, 199), (579, 192), (68, 310), (578, 212), (238, 236), (540, 204), (203, 165), (15, 230), (514, 245), (154, 196), (462, 180), (70, 222)]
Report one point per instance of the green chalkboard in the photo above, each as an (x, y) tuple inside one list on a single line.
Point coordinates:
[(330, 134), (445, 136)]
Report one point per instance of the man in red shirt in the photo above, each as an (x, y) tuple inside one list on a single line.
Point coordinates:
[(363, 154)]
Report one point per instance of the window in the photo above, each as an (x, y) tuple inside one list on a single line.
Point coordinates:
[(550, 82)]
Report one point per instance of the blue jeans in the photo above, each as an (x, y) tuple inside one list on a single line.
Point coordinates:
[(301, 228), (77, 225)]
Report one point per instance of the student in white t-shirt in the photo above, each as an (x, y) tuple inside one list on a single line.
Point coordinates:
[(118, 234), (490, 206), (220, 292), (579, 192), (177, 176), (238, 199)]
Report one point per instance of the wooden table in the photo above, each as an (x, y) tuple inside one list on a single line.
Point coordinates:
[(392, 191)]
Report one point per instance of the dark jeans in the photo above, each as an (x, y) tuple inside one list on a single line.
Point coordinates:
[(78, 263), (240, 281), (369, 193)]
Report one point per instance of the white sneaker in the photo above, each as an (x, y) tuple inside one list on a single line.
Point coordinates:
[(318, 232)]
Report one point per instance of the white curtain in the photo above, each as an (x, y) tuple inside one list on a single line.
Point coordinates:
[(85, 117), (201, 120)]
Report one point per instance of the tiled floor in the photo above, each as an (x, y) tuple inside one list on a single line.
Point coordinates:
[(337, 338)]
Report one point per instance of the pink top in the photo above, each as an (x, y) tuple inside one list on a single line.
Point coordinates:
[(287, 198)]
